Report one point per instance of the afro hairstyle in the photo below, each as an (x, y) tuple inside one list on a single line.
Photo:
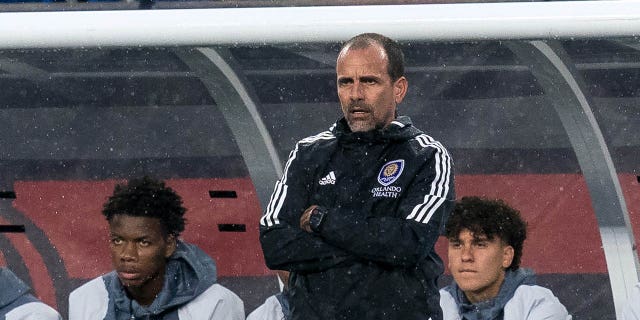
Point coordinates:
[(147, 197)]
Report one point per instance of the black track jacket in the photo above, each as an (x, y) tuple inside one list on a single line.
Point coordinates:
[(388, 193)]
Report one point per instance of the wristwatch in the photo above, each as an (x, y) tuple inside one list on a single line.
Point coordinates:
[(316, 217)]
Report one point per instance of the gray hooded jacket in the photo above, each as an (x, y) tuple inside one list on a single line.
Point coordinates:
[(17, 303), (189, 289), (519, 298)]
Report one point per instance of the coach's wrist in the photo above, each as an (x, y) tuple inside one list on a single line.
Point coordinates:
[(317, 217)]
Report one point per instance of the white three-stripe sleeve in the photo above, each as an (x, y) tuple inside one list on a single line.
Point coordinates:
[(439, 187), (279, 195), (270, 217)]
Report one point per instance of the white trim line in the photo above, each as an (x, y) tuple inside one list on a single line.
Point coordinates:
[(228, 72), (230, 26)]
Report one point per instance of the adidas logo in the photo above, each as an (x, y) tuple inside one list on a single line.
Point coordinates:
[(328, 179)]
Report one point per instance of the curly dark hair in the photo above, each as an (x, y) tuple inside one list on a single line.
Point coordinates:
[(491, 218), (147, 197), (395, 68)]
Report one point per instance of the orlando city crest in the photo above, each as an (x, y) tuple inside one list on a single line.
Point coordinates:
[(390, 172)]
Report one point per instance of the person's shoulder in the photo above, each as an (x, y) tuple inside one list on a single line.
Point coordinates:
[(535, 302), (95, 286), (321, 137), (218, 291), (427, 143), (530, 292), (270, 309), (445, 291), (91, 287), (217, 302), (307, 148), (448, 305), (89, 301), (446, 299), (33, 311)]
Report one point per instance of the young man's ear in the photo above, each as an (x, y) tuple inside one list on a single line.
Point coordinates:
[(400, 89), (507, 256), (171, 245)]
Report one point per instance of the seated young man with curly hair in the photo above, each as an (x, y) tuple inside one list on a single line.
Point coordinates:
[(157, 276), (485, 246)]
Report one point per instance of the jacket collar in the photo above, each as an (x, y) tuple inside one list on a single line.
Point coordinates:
[(492, 308), (400, 128), (190, 272)]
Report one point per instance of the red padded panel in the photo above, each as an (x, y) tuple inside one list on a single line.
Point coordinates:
[(69, 214)]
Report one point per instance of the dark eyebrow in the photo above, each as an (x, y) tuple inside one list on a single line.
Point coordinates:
[(482, 239), (114, 235), (368, 78)]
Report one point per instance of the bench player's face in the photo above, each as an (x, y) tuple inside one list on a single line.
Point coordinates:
[(478, 264), (139, 251)]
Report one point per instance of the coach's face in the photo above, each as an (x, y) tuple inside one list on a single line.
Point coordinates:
[(368, 96)]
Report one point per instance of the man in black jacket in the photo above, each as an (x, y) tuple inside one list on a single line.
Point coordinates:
[(359, 208)]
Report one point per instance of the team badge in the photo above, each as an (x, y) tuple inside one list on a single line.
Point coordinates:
[(390, 172)]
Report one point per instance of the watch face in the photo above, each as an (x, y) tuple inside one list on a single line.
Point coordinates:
[(316, 218)]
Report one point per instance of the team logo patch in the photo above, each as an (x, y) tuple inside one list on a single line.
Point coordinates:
[(390, 172)]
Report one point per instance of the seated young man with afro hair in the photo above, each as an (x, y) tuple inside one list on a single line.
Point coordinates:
[(157, 275)]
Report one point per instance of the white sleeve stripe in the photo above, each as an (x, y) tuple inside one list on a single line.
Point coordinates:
[(436, 186), (432, 211), (444, 182), (280, 202), (421, 209), (275, 204), (445, 163), (398, 123), (273, 196), (292, 155), (270, 216), (440, 184), (442, 167), (267, 219), (279, 194), (440, 199)]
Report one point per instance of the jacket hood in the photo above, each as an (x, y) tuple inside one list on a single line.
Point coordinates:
[(400, 128), (189, 272), (18, 288), (493, 308)]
